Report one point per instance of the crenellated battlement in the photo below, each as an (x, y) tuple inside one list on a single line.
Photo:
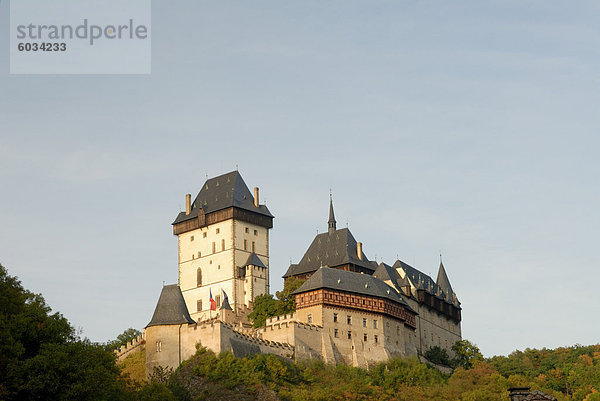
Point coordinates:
[(135, 345)]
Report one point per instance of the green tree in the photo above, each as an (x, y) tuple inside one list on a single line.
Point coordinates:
[(41, 356), (122, 339), (465, 354), (264, 307), (438, 356), (287, 301)]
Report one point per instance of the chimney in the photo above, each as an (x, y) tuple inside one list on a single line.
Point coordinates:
[(256, 196), (359, 250), (188, 204)]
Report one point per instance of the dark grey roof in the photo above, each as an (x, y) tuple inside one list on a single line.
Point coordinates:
[(330, 249), (225, 303), (421, 280), (356, 283), (170, 308), (222, 192), (331, 226), (386, 272), (442, 280), (254, 260)]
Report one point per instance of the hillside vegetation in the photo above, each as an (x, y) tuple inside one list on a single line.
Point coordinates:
[(566, 373), (41, 357)]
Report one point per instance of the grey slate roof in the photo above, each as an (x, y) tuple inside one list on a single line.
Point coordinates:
[(329, 249), (170, 308), (356, 283), (421, 280), (254, 260), (386, 272), (442, 280), (222, 192)]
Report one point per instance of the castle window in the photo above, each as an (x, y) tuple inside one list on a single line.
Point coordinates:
[(376, 339), (214, 247), (247, 230), (191, 238), (218, 300), (253, 246), (158, 346), (193, 256), (199, 277), (335, 333), (255, 232), (310, 318), (349, 335), (365, 337), (199, 254), (364, 322), (349, 319), (245, 245), (335, 319), (204, 234), (199, 305), (375, 323), (218, 230), (222, 244)]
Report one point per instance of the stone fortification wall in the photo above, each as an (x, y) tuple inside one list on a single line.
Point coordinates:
[(132, 347), (169, 345)]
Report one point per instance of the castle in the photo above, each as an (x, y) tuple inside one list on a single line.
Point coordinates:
[(348, 310)]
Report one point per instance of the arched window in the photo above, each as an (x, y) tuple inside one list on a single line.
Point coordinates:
[(199, 278)]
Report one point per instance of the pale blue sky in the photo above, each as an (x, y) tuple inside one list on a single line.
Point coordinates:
[(468, 127)]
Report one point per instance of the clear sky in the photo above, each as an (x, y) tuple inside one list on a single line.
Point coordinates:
[(466, 127)]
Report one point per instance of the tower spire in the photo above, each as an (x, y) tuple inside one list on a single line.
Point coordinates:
[(331, 222)]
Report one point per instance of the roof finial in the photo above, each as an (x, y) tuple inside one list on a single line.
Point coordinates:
[(331, 223)]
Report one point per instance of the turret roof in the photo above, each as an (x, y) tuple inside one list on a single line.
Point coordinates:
[(254, 260), (170, 308), (442, 279)]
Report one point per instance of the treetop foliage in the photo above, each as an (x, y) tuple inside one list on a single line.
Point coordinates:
[(265, 306)]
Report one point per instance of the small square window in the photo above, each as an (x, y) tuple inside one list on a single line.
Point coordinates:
[(191, 238), (349, 319), (218, 230), (255, 232), (349, 335), (365, 338), (374, 324), (364, 322), (247, 230), (376, 339), (335, 333), (310, 318), (204, 235), (335, 319)]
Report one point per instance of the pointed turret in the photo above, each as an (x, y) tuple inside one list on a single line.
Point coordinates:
[(331, 222), (442, 280)]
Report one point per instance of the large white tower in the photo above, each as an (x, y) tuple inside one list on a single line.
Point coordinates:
[(223, 238)]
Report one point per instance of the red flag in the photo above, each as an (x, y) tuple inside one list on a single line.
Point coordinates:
[(213, 304)]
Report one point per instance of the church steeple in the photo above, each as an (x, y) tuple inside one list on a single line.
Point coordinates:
[(331, 222)]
